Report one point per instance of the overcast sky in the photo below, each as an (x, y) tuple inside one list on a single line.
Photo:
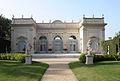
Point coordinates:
[(67, 10)]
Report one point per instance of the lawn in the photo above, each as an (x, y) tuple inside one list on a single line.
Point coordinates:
[(16, 71), (101, 71)]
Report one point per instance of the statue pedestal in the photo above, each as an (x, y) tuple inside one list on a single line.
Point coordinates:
[(89, 59), (28, 59)]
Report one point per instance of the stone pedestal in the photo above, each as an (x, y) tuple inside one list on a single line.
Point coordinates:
[(89, 59), (28, 59)]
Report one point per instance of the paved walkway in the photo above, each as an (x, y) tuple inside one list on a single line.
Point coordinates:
[(58, 69)]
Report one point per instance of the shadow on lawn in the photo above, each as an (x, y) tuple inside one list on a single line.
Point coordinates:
[(77, 64), (17, 69)]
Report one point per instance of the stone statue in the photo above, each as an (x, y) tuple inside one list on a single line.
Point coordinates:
[(28, 48), (28, 59), (89, 46), (89, 56)]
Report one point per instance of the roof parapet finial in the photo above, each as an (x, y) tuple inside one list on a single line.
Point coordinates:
[(31, 16), (102, 15), (64, 21), (49, 21), (83, 15), (72, 21), (93, 15), (42, 21), (13, 16), (22, 15)]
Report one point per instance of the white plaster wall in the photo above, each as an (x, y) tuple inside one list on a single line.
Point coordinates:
[(63, 33), (25, 31), (28, 28), (90, 32)]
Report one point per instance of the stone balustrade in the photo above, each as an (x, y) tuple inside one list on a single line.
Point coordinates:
[(93, 21)]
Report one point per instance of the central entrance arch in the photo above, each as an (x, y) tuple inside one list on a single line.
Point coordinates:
[(57, 44)]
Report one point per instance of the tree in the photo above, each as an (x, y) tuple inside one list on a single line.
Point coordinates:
[(5, 34), (116, 40), (114, 45)]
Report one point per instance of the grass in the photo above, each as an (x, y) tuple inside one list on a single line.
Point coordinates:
[(101, 71), (16, 71)]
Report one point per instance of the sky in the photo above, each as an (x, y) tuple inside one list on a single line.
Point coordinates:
[(65, 10)]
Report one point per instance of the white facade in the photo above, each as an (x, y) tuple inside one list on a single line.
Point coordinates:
[(57, 36)]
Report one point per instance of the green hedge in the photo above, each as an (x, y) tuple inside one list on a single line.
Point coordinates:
[(105, 57), (12, 56), (97, 58)]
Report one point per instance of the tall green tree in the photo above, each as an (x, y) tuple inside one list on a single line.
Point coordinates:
[(5, 34), (114, 45), (116, 40)]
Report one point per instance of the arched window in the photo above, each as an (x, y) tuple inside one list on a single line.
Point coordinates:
[(43, 47), (42, 38), (72, 38), (21, 46), (57, 38), (72, 44), (58, 44)]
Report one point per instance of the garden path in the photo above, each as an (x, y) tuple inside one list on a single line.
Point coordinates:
[(58, 69)]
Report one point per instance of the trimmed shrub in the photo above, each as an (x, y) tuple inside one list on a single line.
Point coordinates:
[(82, 58), (13, 56), (97, 58), (20, 57)]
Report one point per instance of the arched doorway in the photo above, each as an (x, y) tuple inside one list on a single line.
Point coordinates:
[(72, 44), (58, 44), (21, 44), (43, 44)]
